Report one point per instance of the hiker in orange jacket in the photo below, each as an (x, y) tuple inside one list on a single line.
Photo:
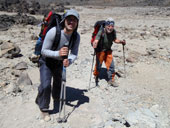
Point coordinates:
[(103, 43)]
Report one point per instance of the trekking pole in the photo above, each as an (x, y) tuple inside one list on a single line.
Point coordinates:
[(64, 101), (124, 59), (63, 93), (60, 105), (91, 69), (62, 97)]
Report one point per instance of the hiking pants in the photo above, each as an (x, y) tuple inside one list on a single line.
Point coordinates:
[(45, 89), (107, 57)]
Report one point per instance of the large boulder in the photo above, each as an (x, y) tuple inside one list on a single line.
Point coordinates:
[(9, 50)]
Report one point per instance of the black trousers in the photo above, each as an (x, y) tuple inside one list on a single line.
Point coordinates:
[(45, 89)]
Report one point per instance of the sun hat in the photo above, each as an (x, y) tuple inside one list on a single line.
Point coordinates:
[(110, 21)]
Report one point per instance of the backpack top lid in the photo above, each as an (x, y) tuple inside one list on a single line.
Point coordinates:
[(100, 23), (48, 16), (97, 26)]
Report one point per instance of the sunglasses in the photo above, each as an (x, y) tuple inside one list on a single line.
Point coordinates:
[(71, 18)]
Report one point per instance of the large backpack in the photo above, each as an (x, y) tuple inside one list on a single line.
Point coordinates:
[(45, 23), (97, 26), (53, 20), (50, 21)]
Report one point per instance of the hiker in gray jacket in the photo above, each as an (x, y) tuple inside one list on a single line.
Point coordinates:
[(52, 61)]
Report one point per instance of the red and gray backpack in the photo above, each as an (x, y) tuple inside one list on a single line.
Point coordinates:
[(97, 27), (50, 21)]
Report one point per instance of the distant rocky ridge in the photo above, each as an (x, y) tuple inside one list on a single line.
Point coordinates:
[(32, 7), (110, 2), (43, 6), (23, 8), (117, 2), (38, 5)]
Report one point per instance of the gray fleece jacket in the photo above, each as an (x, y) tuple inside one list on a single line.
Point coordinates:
[(65, 38)]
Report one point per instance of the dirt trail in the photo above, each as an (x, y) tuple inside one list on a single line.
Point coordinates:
[(143, 93)]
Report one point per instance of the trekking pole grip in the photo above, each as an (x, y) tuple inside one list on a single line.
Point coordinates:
[(65, 57)]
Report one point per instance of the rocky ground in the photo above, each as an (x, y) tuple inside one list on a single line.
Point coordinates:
[(141, 100)]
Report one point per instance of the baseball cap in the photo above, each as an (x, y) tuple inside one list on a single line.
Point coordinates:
[(70, 12)]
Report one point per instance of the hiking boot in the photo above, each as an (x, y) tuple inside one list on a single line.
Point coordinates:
[(34, 58), (45, 116), (113, 83)]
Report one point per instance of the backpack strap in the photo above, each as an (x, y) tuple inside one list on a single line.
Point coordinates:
[(72, 39), (100, 43), (57, 36)]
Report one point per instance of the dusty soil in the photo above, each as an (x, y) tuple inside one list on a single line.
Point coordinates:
[(141, 100)]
